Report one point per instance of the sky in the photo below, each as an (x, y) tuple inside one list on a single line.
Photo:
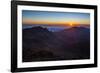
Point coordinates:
[(54, 18)]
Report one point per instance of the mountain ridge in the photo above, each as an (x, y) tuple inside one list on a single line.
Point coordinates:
[(63, 45)]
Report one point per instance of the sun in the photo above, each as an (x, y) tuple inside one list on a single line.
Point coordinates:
[(72, 24)]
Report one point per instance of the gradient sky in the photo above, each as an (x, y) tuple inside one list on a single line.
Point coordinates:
[(54, 18)]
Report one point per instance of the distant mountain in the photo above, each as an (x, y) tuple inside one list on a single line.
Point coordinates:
[(50, 28), (40, 44), (75, 33), (77, 40)]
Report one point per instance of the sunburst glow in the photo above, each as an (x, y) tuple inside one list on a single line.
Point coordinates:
[(72, 24)]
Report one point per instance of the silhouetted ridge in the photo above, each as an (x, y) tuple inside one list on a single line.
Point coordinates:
[(78, 28), (40, 44), (38, 28)]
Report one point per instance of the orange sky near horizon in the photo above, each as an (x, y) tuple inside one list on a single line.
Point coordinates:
[(60, 23), (55, 18)]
